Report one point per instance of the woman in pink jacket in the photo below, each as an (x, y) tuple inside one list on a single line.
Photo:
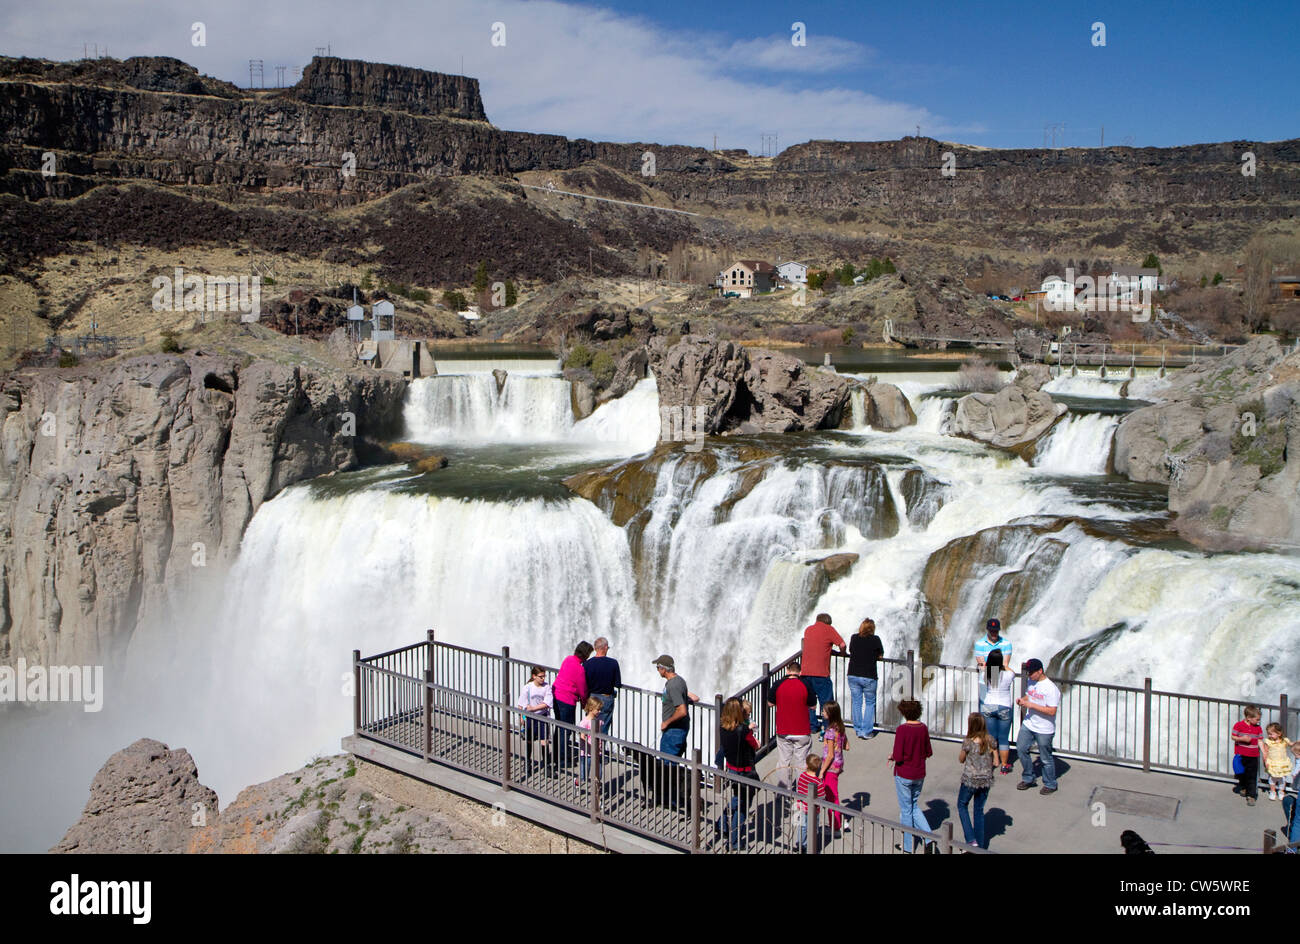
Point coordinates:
[(570, 690)]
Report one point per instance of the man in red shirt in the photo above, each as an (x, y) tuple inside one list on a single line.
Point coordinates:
[(818, 639), (793, 700)]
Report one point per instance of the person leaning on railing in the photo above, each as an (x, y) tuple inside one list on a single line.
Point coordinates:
[(603, 681), (570, 692)]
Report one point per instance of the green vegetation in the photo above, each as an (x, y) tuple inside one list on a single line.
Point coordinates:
[(481, 278), (169, 343), (1151, 262), (846, 336), (603, 368), (1218, 277), (68, 360), (351, 769), (816, 279), (579, 356), (512, 294), (454, 300)]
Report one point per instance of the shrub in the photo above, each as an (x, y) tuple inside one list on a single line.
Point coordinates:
[(455, 301), (847, 336), (68, 360), (603, 368), (420, 295), (512, 294), (579, 356), (978, 376), (169, 343)]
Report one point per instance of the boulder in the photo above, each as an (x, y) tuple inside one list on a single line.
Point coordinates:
[(146, 798), (1032, 376), (887, 407), (499, 376), (1012, 419), (632, 368), (582, 399)]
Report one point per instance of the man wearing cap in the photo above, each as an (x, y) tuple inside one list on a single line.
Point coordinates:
[(993, 640), (1041, 702), (676, 719)]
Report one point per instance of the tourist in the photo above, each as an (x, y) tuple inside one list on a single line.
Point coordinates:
[(865, 650), (1277, 760), (809, 784), (739, 748), (792, 698), (996, 706), (977, 753), (536, 700), (570, 691), (818, 640), (837, 742), (676, 718), (992, 640), (590, 709), (603, 681), (1041, 701), (1246, 735), (911, 748)]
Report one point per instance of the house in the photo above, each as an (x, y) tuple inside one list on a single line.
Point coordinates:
[(1131, 282), (1056, 293), (748, 277), (793, 272), (1285, 286)]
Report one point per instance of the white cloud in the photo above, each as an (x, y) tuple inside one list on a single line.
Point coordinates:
[(566, 69)]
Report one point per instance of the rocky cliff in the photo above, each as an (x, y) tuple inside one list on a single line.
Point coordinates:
[(1226, 440), (120, 483)]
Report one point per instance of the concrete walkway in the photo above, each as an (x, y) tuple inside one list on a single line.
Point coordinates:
[(1207, 812)]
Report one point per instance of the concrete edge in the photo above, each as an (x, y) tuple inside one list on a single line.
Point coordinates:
[(548, 815)]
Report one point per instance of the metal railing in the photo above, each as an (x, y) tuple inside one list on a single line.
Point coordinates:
[(418, 699)]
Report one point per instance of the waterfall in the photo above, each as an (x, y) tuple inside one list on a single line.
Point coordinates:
[(468, 408), (1079, 444)]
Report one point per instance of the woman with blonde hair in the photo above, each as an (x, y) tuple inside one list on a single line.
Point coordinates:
[(865, 651), (739, 749)]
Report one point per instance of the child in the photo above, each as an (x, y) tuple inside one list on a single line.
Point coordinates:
[(590, 709), (977, 754), (809, 785), (537, 701), (1277, 760), (837, 743), (1246, 735)]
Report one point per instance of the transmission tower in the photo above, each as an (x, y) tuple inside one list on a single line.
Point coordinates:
[(769, 139), (255, 69)]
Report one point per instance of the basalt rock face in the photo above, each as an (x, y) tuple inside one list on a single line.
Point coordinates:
[(1226, 440), (352, 83), (145, 799), (121, 484), (721, 387)]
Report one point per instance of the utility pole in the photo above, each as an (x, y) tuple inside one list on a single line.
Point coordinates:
[(1103, 135)]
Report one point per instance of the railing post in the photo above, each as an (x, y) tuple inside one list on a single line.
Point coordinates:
[(945, 838), (696, 799), (597, 748), (765, 695), (429, 646), (813, 817), (356, 691), (911, 673), (1285, 720), (506, 724), (428, 713), (717, 725), (1146, 725)]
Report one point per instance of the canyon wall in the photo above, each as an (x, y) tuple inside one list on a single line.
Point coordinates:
[(120, 483)]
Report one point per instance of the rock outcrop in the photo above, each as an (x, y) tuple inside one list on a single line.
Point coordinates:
[(120, 484), (740, 390), (887, 407), (1012, 419), (145, 799), (353, 83), (1226, 440)]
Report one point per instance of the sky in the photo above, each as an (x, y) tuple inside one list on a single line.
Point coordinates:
[(997, 74)]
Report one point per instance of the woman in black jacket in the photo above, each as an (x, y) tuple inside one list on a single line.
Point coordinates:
[(738, 749)]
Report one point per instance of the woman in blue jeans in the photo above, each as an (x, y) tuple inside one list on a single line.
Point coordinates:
[(865, 651), (996, 707), (977, 754)]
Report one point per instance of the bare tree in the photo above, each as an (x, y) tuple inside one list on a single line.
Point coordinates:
[(1256, 272)]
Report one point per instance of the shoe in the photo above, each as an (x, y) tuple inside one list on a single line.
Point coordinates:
[(1272, 794), (973, 845), (931, 848), (1024, 786), (1007, 768), (1237, 790), (898, 847), (1250, 801), (1047, 791)]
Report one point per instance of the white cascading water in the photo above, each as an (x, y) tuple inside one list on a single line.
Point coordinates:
[(1079, 444), (723, 585)]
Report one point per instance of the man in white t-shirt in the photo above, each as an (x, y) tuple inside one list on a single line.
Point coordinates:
[(1041, 702)]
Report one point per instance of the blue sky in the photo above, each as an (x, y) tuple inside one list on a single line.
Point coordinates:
[(681, 71)]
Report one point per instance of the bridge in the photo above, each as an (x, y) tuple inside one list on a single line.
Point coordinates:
[(1158, 761), (1063, 354)]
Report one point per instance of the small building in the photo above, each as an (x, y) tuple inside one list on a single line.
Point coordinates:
[(1056, 293), (1131, 282), (1285, 287), (793, 272), (748, 277)]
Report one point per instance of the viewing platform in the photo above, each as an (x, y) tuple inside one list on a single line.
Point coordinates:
[(1127, 758)]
